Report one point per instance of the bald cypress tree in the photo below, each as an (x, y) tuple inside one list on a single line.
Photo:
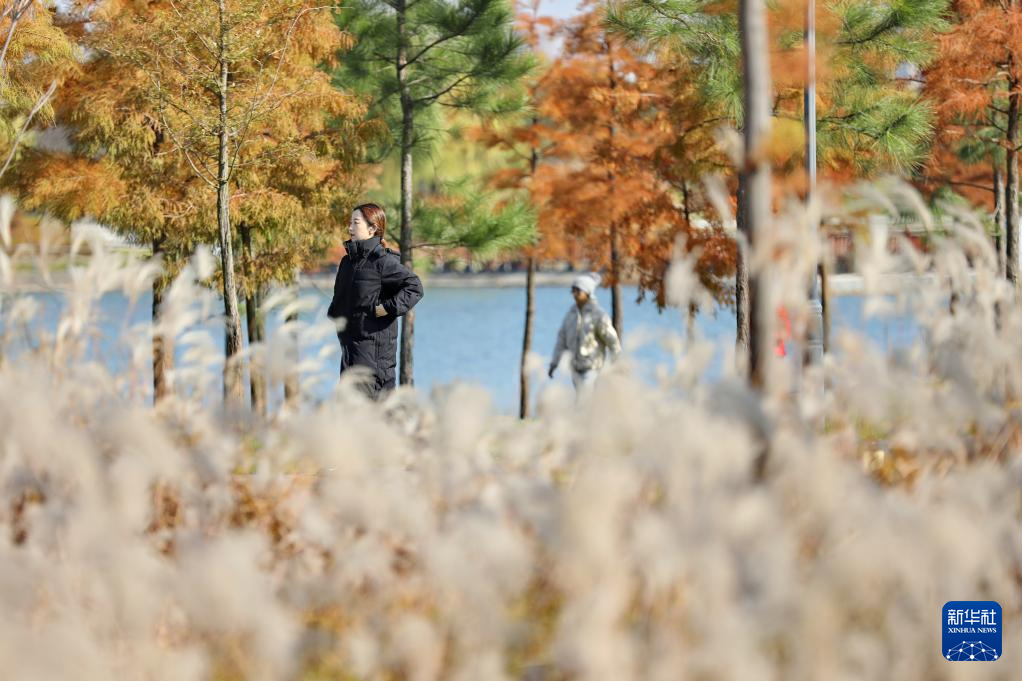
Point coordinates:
[(155, 155), (977, 84)]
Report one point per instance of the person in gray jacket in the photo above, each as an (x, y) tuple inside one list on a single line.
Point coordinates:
[(586, 334)]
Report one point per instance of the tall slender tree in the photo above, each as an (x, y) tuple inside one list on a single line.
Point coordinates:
[(597, 111), (524, 147), (756, 168), (414, 57)]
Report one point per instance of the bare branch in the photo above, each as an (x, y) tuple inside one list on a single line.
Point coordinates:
[(16, 12), (204, 175), (166, 100), (446, 90), (439, 41), (242, 138), (276, 74), (959, 183), (210, 48), (40, 103)]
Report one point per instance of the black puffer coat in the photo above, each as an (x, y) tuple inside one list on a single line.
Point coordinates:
[(368, 276)]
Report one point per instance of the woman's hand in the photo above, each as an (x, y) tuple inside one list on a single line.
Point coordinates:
[(381, 311)]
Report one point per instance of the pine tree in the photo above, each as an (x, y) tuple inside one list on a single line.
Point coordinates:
[(413, 57)]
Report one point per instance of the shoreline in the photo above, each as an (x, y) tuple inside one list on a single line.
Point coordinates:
[(839, 284)]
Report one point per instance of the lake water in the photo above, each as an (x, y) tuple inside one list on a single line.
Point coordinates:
[(475, 334)]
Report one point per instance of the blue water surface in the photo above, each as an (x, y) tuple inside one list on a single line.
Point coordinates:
[(475, 334)]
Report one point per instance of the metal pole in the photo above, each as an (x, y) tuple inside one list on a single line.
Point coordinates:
[(814, 353)]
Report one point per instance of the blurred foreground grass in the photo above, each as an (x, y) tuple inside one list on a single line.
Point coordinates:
[(624, 537)]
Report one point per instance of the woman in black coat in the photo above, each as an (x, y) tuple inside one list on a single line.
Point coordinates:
[(371, 291)]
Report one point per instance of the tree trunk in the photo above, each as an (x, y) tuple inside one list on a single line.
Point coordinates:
[(1000, 241), (530, 313), (256, 325), (291, 380), (685, 207), (690, 323), (233, 388), (742, 281), (406, 376), (617, 311), (825, 304), (530, 302), (163, 346), (1011, 208), (256, 334), (756, 63), (693, 308)]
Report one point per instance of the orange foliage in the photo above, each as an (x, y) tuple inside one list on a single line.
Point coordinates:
[(524, 144), (121, 168), (615, 137), (979, 57)]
